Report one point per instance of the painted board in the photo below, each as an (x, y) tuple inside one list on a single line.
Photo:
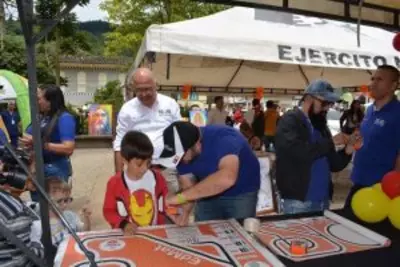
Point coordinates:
[(325, 236), (213, 243)]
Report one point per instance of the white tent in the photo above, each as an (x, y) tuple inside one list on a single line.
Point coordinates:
[(247, 48)]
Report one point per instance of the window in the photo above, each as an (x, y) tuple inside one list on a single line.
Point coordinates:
[(102, 79), (81, 82)]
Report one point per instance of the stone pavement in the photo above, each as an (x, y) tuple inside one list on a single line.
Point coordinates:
[(93, 167)]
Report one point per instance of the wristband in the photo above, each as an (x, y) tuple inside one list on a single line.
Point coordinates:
[(181, 199)]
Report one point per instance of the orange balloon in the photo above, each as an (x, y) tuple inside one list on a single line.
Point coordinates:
[(364, 89)]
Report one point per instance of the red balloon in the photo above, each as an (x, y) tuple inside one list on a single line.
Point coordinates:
[(396, 41), (391, 184)]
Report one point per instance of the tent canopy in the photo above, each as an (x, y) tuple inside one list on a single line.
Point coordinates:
[(379, 13), (248, 48)]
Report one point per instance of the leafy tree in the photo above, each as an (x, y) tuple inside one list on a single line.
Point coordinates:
[(65, 37), (110, 94), (13, 59), (131, 18)]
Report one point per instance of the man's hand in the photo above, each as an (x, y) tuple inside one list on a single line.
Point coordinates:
[(183, 218), (340, 139), (130, 229), (354, 142)]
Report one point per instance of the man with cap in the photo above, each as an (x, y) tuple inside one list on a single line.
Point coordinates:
[(226, 171), (306, 153)]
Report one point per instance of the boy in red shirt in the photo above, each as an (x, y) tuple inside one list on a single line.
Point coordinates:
[(135, 197)]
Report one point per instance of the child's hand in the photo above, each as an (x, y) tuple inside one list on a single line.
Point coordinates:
[(130, 229)]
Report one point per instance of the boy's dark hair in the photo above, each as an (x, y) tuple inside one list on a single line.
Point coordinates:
[(270, 104), (136, 145)]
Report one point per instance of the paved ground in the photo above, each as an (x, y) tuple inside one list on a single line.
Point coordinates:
[(93, 167)]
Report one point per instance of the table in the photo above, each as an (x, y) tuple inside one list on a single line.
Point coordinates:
[(387, 257)]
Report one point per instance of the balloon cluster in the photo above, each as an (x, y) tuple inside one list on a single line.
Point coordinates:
[(376, 203)]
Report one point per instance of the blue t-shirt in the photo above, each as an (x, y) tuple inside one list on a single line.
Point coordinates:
[(64, 130), (3, 137), (318, 188), (380, 130), (217, 142), (11, 121)]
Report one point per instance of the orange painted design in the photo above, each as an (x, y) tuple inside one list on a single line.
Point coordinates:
[(317, 232), (152, 246)]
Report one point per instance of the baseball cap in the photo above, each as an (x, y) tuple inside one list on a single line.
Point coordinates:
[(323, 89), (179, 137)]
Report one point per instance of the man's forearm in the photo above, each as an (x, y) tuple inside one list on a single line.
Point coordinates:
[(214, 184), (118, 165)]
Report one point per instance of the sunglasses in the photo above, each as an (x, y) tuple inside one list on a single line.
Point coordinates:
[(64, 200), (324, 103)]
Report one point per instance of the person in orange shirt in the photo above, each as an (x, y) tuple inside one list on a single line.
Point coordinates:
[(271, 118)]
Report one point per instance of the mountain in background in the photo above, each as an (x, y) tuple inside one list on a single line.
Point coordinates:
[(95, 27), (93, 30)]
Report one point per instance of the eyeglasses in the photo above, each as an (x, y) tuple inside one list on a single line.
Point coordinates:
[(65, 200)]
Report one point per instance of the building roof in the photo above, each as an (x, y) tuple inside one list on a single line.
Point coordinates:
[(95, 62)]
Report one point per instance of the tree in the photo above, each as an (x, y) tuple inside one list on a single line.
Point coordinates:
[(110, 94), (13, 59), (131, 18), (65, 37)]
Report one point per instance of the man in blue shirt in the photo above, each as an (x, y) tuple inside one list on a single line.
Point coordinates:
[(380, 129), (12, 122), (226, 171)]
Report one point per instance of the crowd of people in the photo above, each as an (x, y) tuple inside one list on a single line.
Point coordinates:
[(164, 166)]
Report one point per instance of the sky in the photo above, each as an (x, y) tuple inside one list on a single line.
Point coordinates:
[(90, 12)]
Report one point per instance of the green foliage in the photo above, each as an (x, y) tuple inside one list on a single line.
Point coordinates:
[(13, 58), (132, 17), (110, 94)]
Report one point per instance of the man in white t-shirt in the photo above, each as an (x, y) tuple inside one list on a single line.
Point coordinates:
[(219, 114), (149, 112)]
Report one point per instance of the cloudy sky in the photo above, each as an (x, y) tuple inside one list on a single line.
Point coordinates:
[(90, 12)]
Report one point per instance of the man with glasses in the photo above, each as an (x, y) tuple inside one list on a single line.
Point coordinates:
[(149, 112), (306, 154)]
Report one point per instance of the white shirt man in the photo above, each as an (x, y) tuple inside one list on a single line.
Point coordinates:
[(150, 120)]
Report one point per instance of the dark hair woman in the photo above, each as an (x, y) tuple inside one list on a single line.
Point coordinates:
[(351, 118), (58, 133)]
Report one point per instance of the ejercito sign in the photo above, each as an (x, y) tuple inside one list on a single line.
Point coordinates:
[(333, 58)]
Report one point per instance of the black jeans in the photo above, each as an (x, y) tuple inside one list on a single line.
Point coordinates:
[(353, 190)]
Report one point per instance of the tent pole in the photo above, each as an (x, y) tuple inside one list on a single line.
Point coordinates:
[(234, 75), (25, 10), (304, 75)]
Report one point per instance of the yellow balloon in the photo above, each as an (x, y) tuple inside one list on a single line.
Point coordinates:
[(394, 212), (370, 205), (378, 187)]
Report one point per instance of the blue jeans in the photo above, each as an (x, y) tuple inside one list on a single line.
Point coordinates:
[(292, 206), (60, 168), (223, 207)]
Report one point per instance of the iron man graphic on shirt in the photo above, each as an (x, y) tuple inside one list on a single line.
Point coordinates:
[(142, 207)]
